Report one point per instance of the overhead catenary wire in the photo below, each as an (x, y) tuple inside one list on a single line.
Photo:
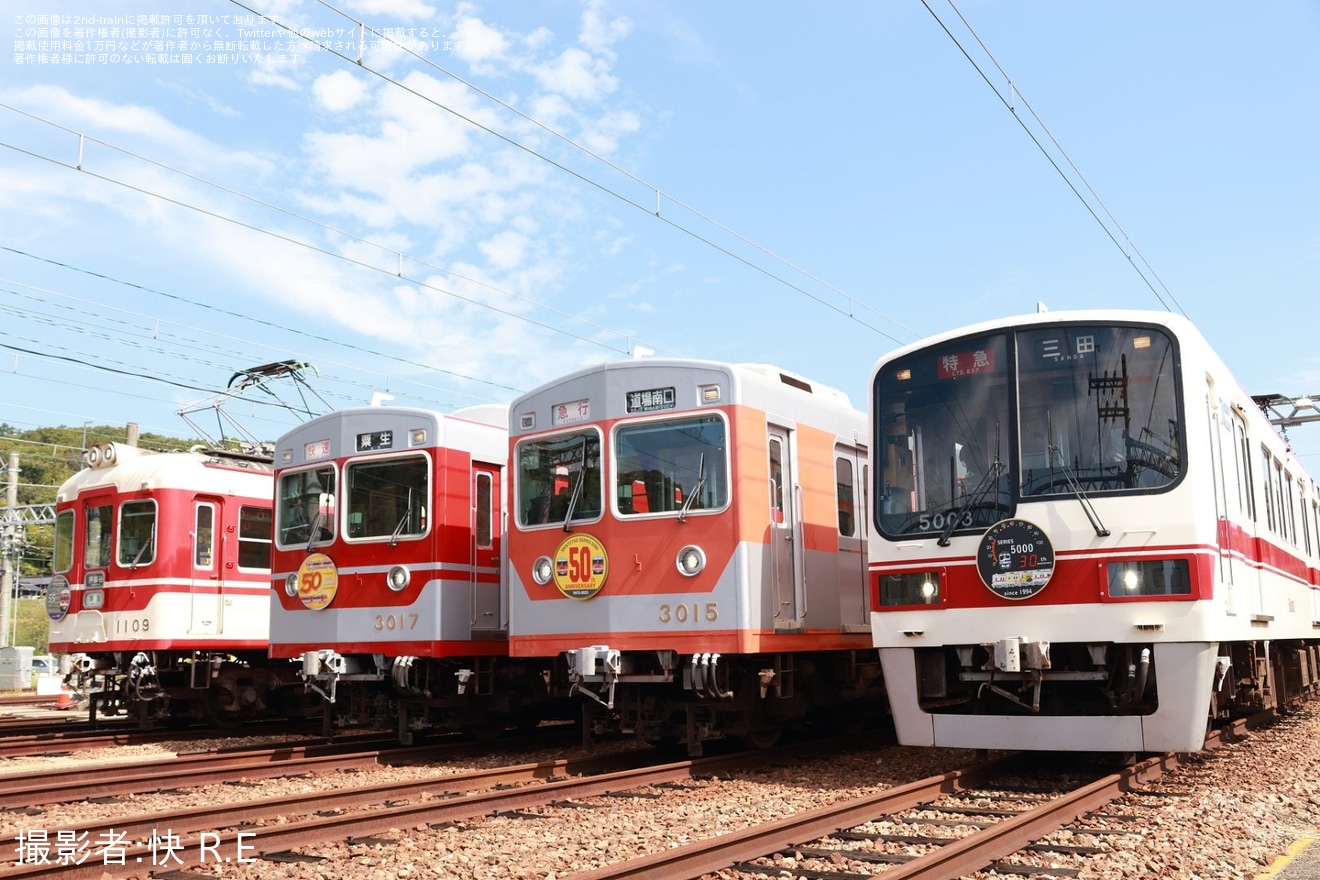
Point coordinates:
[(81, 166), (248, 317), (1011, 101), (853, 305)]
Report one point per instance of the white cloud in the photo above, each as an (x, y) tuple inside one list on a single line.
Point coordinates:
[(505, 249), (477, 42), (408, 10), (598, 33), (577, 74), (338, 91)]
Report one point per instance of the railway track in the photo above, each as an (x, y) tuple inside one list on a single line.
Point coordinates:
[(1005, 821), (964, 820), (360, 812)]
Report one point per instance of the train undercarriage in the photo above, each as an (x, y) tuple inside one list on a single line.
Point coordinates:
[(672, 700), (480, 696), (1020, 677), (171, 687)]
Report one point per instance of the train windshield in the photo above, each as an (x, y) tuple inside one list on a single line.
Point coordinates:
[(305, 506), (559, 479), (671, 466), (388, 498), (62, 553), (943, 438), (1098, 407), (1096, 411)]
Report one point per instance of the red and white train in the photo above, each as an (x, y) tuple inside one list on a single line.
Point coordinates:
[(161, 582), (388, 569), (1086, 536), (688, 545)]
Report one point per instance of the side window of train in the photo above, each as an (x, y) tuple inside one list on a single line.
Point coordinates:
[(137, 533), (96, 546), (254, 532), (1267, 487), (485, 513), (62, 557), (845, 486), (1247, 486), (204, 537)]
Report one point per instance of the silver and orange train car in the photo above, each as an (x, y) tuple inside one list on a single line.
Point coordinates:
[(688, 544), (388, 569), (161, 577), (1086, 537)]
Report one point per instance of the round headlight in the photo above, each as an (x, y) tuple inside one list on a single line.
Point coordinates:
[(542, 570), (291, 585), (690, 561), (398, 578), (93, 456)]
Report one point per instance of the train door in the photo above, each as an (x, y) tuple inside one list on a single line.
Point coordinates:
[(488, 546), (1223, 468), (204, 589), (850, 487), (785, 565)]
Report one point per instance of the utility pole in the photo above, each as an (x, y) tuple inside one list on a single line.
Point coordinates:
[(9, 549)]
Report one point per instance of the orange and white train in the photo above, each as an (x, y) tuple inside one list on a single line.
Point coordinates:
[(388, 567), (161, 582), (1086, 536), (688, 546)]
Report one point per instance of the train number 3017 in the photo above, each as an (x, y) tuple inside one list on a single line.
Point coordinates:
[(396, 622)]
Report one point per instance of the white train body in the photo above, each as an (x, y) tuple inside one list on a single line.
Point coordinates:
[(161, 582), (1087, 536)]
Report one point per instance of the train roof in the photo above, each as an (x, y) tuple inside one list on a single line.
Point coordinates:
[(1182, 327), (740, 370), (130, 469)]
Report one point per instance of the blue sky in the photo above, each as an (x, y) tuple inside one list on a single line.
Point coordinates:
[(461, 221)]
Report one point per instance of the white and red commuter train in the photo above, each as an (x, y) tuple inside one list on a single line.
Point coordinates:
[(388, 569), (688, 545), (1086, 536), (161, 582)]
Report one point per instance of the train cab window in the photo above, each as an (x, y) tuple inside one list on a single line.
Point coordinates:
[(254, 530), (1098, 410), (137, 533), (671, 466), (559, 479), (62, 553), (96, 545), (388, 498), (942, 438), (305, 506)]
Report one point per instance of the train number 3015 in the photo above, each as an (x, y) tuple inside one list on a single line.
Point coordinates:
[(694, 613)]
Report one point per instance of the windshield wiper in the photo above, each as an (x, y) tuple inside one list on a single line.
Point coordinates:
[(143, 551), (696, 490), (315, 528), (1076, 488), (407, 515), (577, 491), (971, 501)]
